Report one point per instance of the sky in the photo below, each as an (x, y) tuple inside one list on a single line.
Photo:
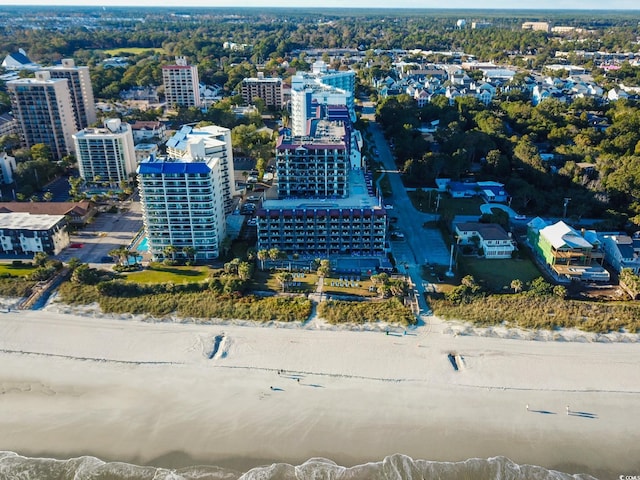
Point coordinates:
[(483, 4)]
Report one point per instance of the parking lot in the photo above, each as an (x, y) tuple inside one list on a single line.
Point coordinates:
[(107, 232)]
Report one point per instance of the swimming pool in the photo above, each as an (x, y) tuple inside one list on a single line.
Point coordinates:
[(143, 246)]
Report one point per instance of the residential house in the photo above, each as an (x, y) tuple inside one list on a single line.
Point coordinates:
[(622, 251), (568, 254), (491, 238), (143, 131)]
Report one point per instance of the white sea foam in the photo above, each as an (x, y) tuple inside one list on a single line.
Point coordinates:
[(394, 467)]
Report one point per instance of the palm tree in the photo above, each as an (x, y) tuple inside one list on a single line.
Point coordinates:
[(274, 253), (190, 253), (244, 271), (262, 256), (284, 278), (516, 285), (170, 251)]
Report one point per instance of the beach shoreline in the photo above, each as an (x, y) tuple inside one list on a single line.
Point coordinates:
[(162, 393)]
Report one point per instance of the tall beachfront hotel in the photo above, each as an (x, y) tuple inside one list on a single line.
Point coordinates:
[(106, 154), (43, 108), (80, 88), (326, 203), (181, 84), (210, 141), (183, 204)]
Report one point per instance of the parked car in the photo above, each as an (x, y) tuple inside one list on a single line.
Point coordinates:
[(388, 207)]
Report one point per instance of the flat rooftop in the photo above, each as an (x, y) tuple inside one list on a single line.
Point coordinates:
[(359, 197), (28, 221)]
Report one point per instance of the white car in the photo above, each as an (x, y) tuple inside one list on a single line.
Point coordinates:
[(520, 217), (388, 207)]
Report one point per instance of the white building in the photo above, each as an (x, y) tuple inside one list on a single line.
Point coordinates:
[(7, 168), (80, 88), (210, 141), (494, 241), (26, 234), (44, 110), (622, 251), (148, 131), (106, 154), (181, 84), (182, 206), (320, 87)]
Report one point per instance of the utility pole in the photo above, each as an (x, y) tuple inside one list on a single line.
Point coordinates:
[(566, 202)]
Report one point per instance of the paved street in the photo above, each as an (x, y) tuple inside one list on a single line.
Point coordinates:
[(421, 245)]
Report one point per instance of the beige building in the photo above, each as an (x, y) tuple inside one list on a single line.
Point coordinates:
[(538, 26), (44, 110), (181, 84), (84, 107)]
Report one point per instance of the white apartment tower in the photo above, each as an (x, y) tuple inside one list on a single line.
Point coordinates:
[(319, 87), (106, 154), (182, 206), (44, 110), (84, 107), (210, 141), (181, 84)]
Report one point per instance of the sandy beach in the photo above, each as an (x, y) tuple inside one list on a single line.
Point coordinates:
[(175, 394)]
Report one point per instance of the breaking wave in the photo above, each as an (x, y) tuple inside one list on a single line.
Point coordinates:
[(394, 467)]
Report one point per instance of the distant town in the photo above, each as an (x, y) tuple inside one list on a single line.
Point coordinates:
[(390, 163)]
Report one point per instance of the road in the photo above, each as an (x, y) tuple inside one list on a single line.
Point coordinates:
[(421, 245)]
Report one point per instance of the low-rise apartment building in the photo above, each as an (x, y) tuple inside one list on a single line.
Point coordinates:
[(26, 234)]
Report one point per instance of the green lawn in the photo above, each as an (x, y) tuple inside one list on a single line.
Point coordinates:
[(133, 50), (448, 205), (267, 281), (16, 270), (162, 274), (496, 275)]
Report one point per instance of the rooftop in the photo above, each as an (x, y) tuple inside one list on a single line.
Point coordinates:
[(359, 197), (488, 231), (28, 221), (167, 165), (562, 235)]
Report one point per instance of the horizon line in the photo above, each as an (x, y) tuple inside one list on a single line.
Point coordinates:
[(328, 8)]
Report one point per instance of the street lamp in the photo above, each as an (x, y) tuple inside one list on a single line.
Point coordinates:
[(449, 273)]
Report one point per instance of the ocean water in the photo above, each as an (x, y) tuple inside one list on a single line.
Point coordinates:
[(394, 467)]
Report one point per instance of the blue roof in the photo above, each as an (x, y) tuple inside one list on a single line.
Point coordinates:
[(20, 58), (149, 168)]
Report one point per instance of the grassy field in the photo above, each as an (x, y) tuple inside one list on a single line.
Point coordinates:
[(158, 273), (133, 50), (267, 281), (16, 271), (496, 275), (448, 205)]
